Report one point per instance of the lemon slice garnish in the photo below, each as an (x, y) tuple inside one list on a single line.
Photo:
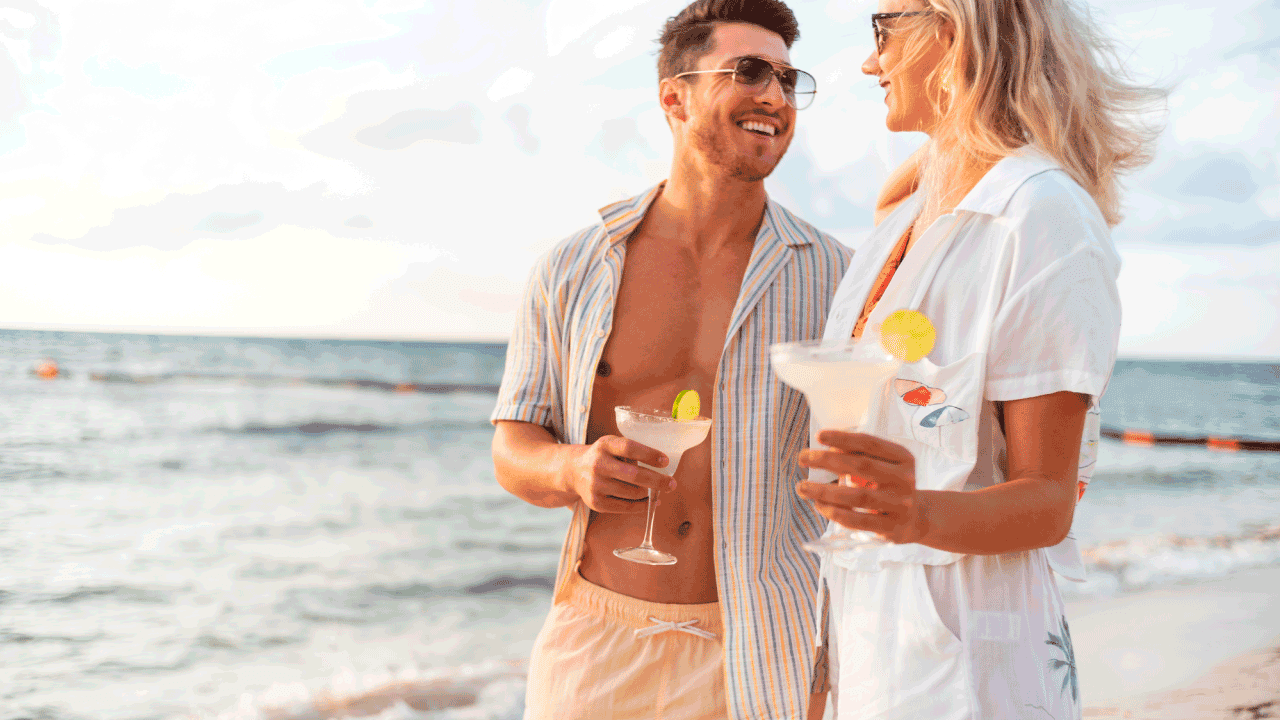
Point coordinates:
[(687, 405), (907, 335)]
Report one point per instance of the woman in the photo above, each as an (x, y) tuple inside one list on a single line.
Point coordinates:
[(1005, 245)]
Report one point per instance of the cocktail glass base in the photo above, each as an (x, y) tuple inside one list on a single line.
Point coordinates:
[(646, 556)]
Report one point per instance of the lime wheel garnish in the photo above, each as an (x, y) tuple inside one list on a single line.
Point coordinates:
[(907, 335), (687, 405)]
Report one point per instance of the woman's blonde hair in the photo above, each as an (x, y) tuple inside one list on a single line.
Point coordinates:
[(1032, 71)]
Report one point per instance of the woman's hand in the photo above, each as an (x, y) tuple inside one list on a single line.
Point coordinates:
[(883, 479)]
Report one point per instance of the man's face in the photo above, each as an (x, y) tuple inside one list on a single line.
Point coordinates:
[(717, 107)]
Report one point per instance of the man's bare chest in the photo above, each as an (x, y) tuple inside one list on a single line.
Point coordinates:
[(671, 314)]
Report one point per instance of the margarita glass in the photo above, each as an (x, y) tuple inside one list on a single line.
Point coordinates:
[(671, 437), (840, 380)]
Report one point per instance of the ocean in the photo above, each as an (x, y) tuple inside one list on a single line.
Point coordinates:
[(238, 528)]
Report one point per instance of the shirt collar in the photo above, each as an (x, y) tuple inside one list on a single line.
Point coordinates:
[(621, 218), (992, 193)]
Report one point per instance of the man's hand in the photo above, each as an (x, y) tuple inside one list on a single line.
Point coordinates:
[(883, 479), (605, 475)]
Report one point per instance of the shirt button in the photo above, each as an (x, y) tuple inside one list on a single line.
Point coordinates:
[(601, 333), (582, 408)]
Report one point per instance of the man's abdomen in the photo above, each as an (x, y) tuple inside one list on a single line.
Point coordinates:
[(683, 526)]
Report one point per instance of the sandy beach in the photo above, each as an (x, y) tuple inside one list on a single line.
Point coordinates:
[(1205, 651)]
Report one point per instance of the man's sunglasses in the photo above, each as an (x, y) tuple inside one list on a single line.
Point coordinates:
[(881, 31), (798, 86)]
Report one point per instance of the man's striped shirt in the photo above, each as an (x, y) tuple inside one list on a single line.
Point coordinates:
[(766, 581)]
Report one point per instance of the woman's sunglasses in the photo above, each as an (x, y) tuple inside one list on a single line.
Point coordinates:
[(798, 86), (881, 31)]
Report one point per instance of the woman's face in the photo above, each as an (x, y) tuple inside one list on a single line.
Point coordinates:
[(904, 81)]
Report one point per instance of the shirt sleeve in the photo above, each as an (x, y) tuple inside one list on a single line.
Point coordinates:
[(527, 393), (1058, 329)]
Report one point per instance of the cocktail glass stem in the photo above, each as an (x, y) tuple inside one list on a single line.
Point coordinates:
[(648, 522)]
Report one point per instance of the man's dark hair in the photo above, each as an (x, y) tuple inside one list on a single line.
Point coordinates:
[(688, 36)]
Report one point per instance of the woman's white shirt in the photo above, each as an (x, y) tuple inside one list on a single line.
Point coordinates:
[(1020, 283)]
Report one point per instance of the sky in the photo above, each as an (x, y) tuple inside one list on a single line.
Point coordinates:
[(392, 169)]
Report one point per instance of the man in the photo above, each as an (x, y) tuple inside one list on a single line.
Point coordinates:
[(683, 287)]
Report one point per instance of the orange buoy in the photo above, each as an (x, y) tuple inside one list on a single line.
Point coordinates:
[(1223, 444), (1137, 437), (47, 369)]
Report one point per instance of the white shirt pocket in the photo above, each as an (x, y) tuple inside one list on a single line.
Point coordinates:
[(933, 412)]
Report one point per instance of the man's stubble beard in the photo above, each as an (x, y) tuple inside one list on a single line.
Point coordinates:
[(711, 143)]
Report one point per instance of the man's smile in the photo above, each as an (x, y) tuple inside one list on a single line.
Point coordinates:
[(767, 127)]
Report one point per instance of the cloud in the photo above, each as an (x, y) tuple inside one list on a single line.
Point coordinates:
[(838, 202), (221, 222), (615, 42), (445, 296), (517, 117), (286, 279), (147, 81), (620, 145), (512, 82), (30, 37), (1220, 176), (241, 210), (460, 124), (568, 20), (1187, 303)]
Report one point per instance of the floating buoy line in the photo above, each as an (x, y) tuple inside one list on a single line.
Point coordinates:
[(1221, 444)]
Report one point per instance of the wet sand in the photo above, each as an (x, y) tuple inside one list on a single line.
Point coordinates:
[(1205, 650)]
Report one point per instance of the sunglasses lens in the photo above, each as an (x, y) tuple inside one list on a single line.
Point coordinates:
[(788, 80), (753, 71)]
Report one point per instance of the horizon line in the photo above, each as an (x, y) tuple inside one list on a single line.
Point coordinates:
[(259, 334)]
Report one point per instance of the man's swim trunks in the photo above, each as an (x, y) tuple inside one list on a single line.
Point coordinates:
[(602, 654)]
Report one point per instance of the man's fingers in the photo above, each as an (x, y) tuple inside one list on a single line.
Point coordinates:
[(617, 506), (608, 467), (647, 479), (621, 490), (632, 450), (862, 444)]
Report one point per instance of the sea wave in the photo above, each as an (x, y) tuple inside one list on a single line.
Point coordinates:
[(436, 388), (490, 691), (121, 593), (321, 427), (363, 604), (1141, 562)]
